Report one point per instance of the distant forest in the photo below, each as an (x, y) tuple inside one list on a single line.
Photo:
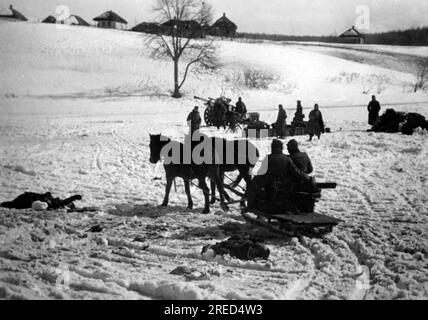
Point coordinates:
[(411, 37)]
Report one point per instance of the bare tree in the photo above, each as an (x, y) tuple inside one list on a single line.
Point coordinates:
[(186, 22), (421, 74)]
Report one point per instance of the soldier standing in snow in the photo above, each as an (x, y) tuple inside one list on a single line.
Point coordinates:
[(281, 122), (241, 108), (194, 120), (316, 123), (220, 110), (374, 109), (298, 116)]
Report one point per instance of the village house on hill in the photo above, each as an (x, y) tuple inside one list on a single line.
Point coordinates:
[(111, 20), (49, 19), (14, 15), (74, 20), (184, 28), (352, 35), (223, 27), (147, 27)]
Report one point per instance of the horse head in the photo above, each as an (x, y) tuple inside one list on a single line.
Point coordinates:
[(157, 142), (155, 148)]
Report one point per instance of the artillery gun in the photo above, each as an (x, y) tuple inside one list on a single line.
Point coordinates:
[(221, 113)]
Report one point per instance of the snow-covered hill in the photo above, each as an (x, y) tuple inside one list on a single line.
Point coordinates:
[(76, 107)]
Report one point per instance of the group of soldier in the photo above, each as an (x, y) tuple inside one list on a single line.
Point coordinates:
[(315, 125), (222, 109), (294, 168), (290, 170)]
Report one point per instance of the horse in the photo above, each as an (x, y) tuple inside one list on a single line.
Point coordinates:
[(187, 171), (245, 157)]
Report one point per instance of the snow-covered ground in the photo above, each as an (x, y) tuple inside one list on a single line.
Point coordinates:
[(420, 51), (77, 106)]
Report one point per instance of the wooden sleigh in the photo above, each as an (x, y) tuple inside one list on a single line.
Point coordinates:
[(299, 219)]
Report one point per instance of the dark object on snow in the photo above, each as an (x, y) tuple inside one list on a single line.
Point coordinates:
[(413, 121), (96, 229), (393, 122), (241, 248), (26, 200)]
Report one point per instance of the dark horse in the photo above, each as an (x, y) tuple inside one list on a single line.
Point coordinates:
[(244, 158), (187, 172), (225, 156)]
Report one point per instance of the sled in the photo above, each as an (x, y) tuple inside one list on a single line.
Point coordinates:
[(302, 220), (312, 225)]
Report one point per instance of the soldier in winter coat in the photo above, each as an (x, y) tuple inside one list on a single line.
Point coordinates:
[(316, 123), (281, 122), (300, 159), (194, 120), (373, 109)]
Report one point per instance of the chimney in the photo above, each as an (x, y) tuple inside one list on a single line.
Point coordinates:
[(224, 14), (10, 7)]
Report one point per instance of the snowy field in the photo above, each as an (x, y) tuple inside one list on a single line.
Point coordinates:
[(77, 106)]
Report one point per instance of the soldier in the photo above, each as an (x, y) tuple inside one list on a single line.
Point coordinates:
[(298, 116), (279, 167), (194, 120), (374, 109), (281, 122), (316, 123), (300, 159), (220, 111), (241, 108)]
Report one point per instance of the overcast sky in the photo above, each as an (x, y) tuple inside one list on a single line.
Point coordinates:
[(297, 17)]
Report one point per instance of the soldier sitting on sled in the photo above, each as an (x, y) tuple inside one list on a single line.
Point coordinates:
[(274, 191)]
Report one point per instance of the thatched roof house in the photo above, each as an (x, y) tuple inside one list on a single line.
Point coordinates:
[(147, 27), (184, 28), (14, 15), (50, 19), (110, 20), (223, 27), (74, 20), (352, 35)]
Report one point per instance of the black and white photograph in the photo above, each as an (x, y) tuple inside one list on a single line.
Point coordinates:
[(213, 150)]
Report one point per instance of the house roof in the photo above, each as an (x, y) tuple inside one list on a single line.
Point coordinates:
[(49, 19), (110, 16), (351, 33), (224, 21), (15, 14), (182, 23), (80, 21), (146, 25)]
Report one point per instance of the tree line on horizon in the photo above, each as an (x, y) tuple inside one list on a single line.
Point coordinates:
[(409, 37)]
